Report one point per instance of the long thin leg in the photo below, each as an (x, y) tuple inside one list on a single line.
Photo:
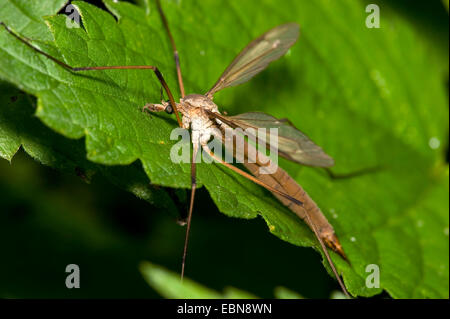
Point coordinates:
[(191, 206), (330, 262), (250, 177), (68, 67), (174, 47), (357, 173), (253, 179)]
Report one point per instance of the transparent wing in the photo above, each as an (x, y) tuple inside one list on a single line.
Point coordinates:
[(257, 55), (292, 144)]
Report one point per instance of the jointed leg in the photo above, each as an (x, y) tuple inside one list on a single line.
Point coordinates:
[(257, 181), (357, 173), (250, 177), (330, 262), (191, 205), (68, 67), (174, 48)]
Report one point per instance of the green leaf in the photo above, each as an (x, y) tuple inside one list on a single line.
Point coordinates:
[(285, 293), (30, 14), (168, 284), (20, 128), (445, 3), (369, 97), (337, 295)]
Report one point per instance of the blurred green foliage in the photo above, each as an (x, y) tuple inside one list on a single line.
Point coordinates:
[(369, 97)]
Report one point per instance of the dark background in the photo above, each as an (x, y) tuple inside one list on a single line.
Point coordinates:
[(50, 219)]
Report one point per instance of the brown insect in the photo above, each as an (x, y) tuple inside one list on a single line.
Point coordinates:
[(201, 115)]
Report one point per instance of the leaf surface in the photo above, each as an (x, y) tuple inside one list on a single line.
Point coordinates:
[(368, 97)]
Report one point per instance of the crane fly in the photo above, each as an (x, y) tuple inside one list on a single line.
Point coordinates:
[(201, 115)]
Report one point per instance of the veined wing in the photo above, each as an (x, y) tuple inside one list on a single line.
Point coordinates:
[(257, 55), (292, 144)]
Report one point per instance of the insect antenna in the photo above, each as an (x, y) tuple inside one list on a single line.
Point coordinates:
[(161, 94)]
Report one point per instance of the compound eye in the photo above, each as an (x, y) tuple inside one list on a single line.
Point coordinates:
[(169, 109)]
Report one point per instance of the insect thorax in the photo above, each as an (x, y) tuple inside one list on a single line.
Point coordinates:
[(198, 100), (193, 108)]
